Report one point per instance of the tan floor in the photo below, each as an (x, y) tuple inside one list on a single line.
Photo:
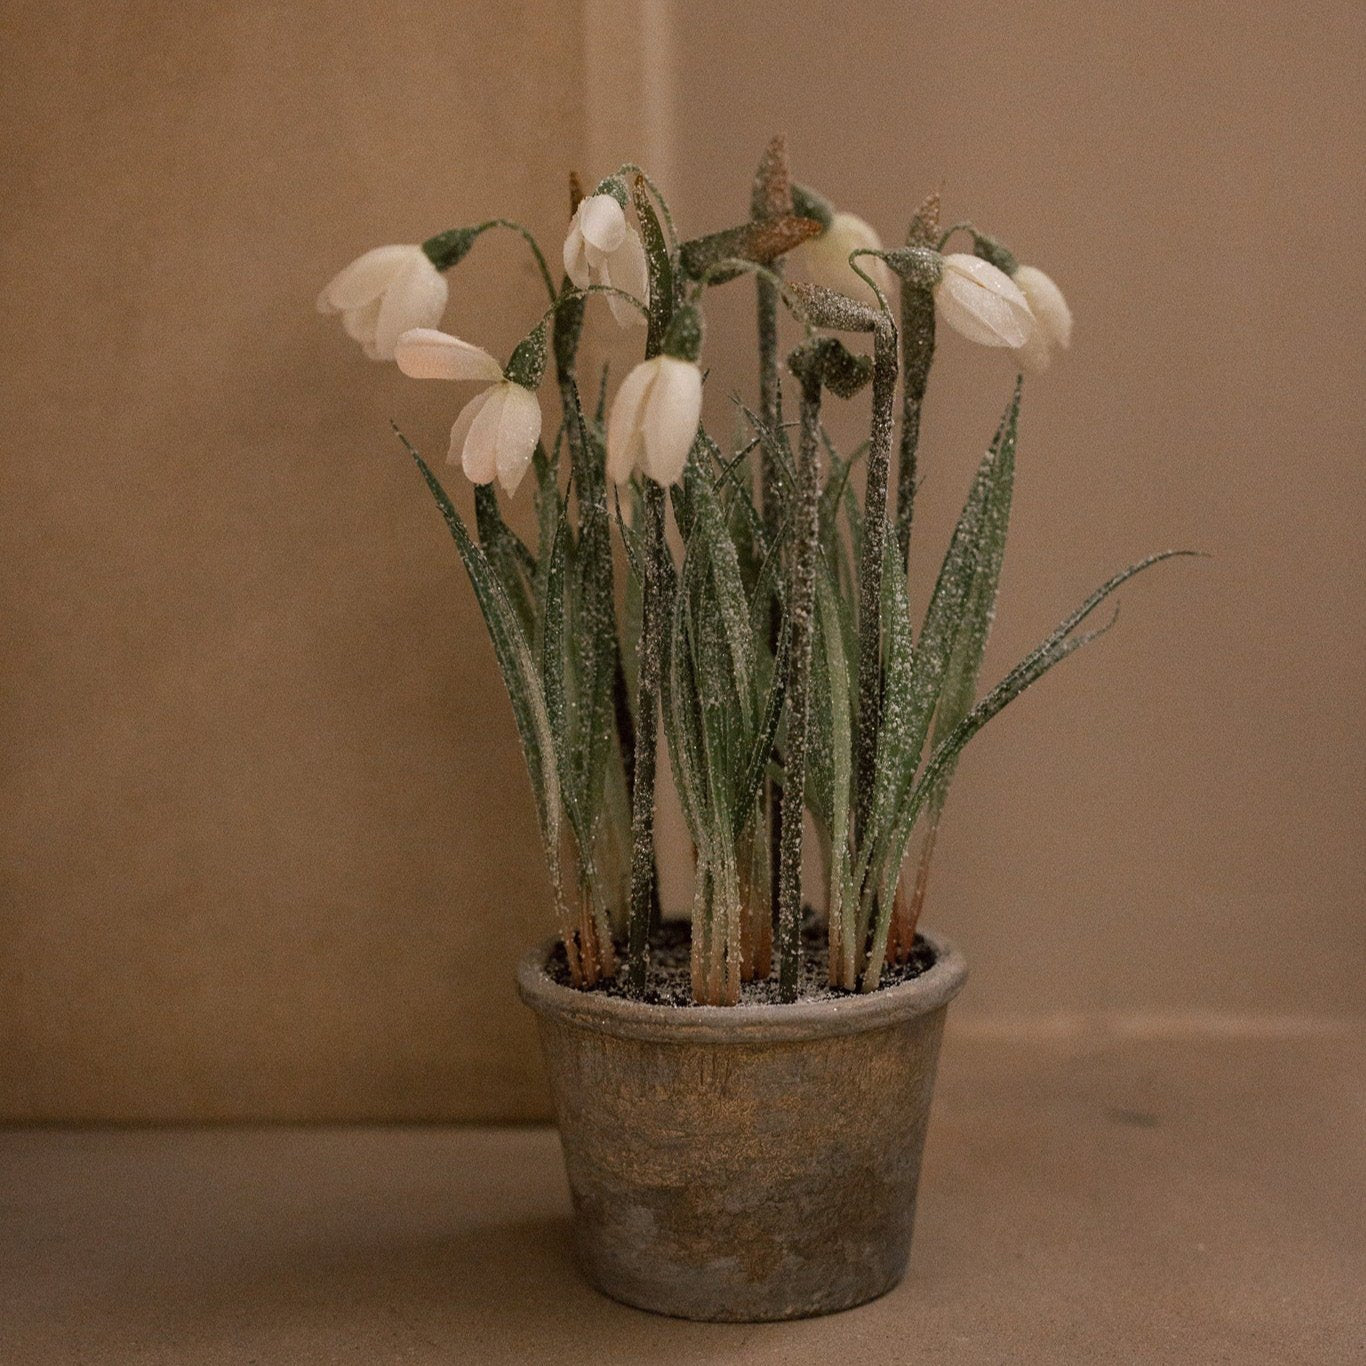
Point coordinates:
[(1153, 1193)]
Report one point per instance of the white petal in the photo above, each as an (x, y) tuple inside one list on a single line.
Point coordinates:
[(980, 316), (624, 442), (602, 221), (416, 298), (424, 353), (519, 428), (595, 260), (1047, 305), (982, 302), (627, 270), (460, 437), (575, 257), (360, 323), (365, 278), (671, 416), (479, 453)]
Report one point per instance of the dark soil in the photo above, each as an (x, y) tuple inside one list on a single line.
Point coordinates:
[(669, 982)]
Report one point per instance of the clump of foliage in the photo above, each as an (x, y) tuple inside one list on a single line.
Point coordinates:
[(779, 650)]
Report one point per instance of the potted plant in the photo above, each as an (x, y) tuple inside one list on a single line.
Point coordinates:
[(742, 1099)]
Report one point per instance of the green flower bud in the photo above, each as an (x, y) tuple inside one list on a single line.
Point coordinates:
[(449, 248), (527, 363), (683, 340)]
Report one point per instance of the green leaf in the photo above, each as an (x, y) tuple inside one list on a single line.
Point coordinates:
[(593, 644), (709, 535), (659, 265), (549, 510), (775, 444), (706, 638), (834, 650), (515, 661), (965, 664), (913, 685), (898, 746), (1059, 644), (552, 643), (509, 558), (752, 773), (682, 720)]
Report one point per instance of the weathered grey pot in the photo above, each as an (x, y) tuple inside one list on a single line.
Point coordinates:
[(748, 1162)]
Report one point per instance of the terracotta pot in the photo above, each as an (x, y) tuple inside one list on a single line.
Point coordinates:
[(749, 1162)]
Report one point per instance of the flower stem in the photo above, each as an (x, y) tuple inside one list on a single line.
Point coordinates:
[(870, 573), (448, 249), (801, 607), (922, 876), (771, 197), (646, 737), (595, 543), (756, 899), (654, 619), (917, 352)]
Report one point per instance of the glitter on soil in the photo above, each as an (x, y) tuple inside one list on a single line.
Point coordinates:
[(669, 984)]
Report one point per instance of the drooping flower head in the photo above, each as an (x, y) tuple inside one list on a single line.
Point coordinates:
[(970, 294), (1051, 313), (824, 260), (982, 302), (496, 432), (1052, 317), (602, 248), (654, 416), (383, 294)]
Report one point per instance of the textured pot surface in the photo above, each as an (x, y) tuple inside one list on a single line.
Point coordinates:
[(746, 1162)]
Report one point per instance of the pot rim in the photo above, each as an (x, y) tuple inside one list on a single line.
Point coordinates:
[(743, 1024)]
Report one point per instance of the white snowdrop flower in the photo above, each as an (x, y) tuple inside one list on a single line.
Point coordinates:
[(1052, 316), (982, 302), (825, 259), (496, 432), (383, 294), (604, 249), (654, 419)]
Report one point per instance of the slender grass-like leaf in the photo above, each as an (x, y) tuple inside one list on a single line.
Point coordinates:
[(898, 747), (659, 265), (959, 688), (724, 568), (1053, 650), (514, 564), (683, 722), (552, 644), (754, 768), (774, 442), (515, 661), (913, 689)]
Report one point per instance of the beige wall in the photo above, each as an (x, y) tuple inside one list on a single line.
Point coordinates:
[(265, 843), (1174, 820)]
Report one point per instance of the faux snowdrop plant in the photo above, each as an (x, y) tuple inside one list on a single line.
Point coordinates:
[(772, 632)]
